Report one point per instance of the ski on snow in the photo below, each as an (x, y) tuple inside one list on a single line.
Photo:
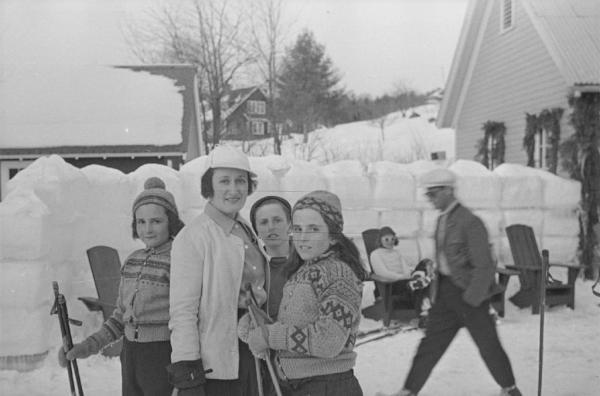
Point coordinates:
[(383, 332)]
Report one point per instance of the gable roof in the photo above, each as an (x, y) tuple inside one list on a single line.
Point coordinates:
[(569, 29), (237, 97), (93, 109)]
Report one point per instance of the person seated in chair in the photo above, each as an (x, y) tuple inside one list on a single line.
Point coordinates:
[(411, 285)]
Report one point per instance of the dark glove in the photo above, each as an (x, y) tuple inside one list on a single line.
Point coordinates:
[(188, 377), (79, 351)]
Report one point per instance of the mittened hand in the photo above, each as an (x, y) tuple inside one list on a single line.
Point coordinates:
[(62, 358), (258, 341), (79, 351), (244, 327)]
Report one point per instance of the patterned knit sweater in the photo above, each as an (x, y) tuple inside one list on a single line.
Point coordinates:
[(318, 319), (142, 312)]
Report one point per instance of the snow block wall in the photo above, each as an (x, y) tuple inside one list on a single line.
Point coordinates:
[(54, 212)]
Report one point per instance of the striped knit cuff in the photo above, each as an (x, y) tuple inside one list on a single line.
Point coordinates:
[(102, 338), (147, 332), (278, 336)]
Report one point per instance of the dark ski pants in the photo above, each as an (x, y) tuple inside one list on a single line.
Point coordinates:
[(341, 384), (448, 314), (245, 385), (143, 368)]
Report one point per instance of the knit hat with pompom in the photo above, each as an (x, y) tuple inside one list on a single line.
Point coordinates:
[(155, 192)]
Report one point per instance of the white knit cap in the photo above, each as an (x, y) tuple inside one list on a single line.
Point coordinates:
[(229, 157), (438, 178)]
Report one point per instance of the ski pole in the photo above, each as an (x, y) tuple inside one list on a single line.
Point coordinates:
[(252, 305), (545, 260), (60, 308), (248, 287)]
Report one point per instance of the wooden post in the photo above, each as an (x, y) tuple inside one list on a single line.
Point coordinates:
[(543, 277)]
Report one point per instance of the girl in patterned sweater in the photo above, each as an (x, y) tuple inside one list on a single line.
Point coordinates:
[(141, 315), (319, 314)]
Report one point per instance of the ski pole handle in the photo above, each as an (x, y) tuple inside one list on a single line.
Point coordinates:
[(60, 308)]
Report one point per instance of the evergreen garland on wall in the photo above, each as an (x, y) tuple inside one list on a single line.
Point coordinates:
[(531, 129), (549, 120), (494, 131), (585, 119)]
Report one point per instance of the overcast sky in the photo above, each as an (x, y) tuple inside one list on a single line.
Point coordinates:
[(374, 44)]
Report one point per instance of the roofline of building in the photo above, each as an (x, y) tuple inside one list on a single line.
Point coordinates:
[(27, 156), (585, 88), (454, 66)]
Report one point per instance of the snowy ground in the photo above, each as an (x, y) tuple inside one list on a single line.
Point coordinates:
[(571, 358)]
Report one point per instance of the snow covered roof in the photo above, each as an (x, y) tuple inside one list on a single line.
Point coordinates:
[(90, 109)]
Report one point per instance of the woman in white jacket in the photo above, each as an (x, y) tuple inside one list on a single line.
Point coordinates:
[(214, 258)]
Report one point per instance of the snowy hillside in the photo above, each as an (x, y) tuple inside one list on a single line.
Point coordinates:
[(400, 137)]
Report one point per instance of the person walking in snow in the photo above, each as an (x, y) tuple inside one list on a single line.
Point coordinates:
[(271, 217), (412, 285), (314, 335), (462, 289), (141, 315), (215, 257)]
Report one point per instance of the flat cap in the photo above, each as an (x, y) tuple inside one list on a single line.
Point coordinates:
[(438, 178)]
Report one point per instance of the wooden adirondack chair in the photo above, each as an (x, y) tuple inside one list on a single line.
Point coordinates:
[(391, 304), (106, 269), (528, 261)]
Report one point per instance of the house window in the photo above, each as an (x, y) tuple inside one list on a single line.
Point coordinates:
[(506, 15), (257, 107), (259, 128), (492, 149), (542, 150)]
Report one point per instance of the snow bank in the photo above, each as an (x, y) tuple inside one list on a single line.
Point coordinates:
[(23, 225), (54, 212), (60, 186), (302, 178), (393, 186), (343, 178), (476, 186), (190, 174)]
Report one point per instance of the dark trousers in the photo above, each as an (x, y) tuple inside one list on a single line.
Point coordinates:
[(341, 384), (448, 314), (245, 385), (401, 290), (143, 368)]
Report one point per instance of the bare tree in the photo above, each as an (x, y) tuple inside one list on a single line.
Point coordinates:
[(268, 35), (208, 34), (382, 122)]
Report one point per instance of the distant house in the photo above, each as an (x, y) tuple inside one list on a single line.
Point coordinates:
[(517, 59), (244, 115), (120, 117)]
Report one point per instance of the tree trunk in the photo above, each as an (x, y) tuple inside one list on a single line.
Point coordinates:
[(216, 120)]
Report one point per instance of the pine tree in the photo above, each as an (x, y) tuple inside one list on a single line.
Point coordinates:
[(308, 92)]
